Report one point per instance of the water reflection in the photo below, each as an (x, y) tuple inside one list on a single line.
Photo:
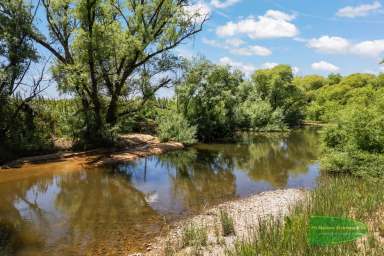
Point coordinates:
[(114, 210)]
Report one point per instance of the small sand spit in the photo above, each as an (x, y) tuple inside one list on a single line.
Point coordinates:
[(129, 147), (245, 213)]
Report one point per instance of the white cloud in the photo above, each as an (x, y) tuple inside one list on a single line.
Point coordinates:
[(247, 69), (198, 12), (233, 46), (373, 48), (295, 70), (335, 44), (223, 3), (234, 42), (325, 66), (272, 24), (278, 15), (269, 65), (359, 11), (211, 42), (252, 51), (185, 53), (329, 44)]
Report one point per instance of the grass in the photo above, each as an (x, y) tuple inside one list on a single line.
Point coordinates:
[(226, 223), (341, 196), (194, 236)]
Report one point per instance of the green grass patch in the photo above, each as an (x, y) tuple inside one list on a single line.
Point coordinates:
[(194, 236), (341, 197), (226, 223)]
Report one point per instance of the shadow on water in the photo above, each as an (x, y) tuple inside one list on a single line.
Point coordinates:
[(114, 210)]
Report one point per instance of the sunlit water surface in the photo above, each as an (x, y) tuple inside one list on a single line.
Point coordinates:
[(112, 211)]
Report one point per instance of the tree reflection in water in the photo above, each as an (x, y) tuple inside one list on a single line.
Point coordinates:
[(116, 209)]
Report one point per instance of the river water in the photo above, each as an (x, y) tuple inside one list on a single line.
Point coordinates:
[(64, 210)]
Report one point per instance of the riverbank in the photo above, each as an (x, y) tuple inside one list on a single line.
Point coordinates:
[(276, 223), (132, 146), (218, 229)]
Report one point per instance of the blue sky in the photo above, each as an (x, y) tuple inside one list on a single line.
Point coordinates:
[(321, 37), (314, 37)]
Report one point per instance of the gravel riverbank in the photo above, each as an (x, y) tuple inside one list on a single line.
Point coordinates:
[(245, 214)]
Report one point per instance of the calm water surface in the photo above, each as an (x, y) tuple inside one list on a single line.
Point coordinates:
[(111, 211)]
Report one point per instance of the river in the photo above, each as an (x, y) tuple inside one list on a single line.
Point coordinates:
[(62, 210)]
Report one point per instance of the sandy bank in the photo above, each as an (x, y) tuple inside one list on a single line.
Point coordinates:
[(245, 213), (131, 147)]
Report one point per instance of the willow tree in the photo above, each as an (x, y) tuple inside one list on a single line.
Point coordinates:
[(102, 46)]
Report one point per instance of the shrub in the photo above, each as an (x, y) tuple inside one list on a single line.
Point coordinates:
[(173, 126)]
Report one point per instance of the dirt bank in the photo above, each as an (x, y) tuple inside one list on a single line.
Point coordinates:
[(245, 213), (131, 146)]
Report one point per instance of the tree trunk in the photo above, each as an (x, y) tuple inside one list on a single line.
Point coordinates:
[(112, 110)]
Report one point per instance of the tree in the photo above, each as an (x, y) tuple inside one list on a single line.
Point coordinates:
[(310, 82), (207, 96), (101, 45), (19, 129), (276, 86)]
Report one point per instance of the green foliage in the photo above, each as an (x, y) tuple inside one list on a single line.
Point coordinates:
[(102, 47), (226, 223), (332, 198), (338, 93), (218, 101), (194, 236), (276, 86), (311, 82), (355, 145), (172, 126), (207, 96)]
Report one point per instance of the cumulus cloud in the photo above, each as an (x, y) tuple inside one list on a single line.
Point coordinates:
[(334, 44), (325, 66), (235, 42), (233, 45), (211, 42), (373, 48), (254, 50), (247, 69), (269, 65), (359, 10), (272, 24), (330, 44), (223, 3), (198, 12)]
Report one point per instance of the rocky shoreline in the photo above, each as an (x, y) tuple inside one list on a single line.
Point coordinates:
[(245, 213)]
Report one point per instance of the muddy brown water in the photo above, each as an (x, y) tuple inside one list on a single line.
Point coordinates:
[(67, 209)]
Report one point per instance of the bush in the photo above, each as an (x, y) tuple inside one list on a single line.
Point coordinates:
[(260, 116), (354, 162), (173, 126), (254, 114), (334, 137), (27, 130)]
